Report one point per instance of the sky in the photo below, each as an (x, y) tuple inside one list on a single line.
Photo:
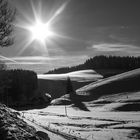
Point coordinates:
[(83, 29)]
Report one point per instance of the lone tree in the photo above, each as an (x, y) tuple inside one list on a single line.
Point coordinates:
[(7, 15), (69, 89)]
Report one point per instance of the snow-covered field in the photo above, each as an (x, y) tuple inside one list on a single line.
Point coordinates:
[(102, 121), (110, 117)]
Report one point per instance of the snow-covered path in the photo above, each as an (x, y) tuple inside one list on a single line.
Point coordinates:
[(51, 135), (96, 123)]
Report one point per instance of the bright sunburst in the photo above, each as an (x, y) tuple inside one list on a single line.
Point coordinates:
[(40, 31)]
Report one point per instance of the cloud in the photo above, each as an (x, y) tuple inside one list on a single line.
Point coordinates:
[(3, 58), (44, 58), (29, 59), (32, 58), (107, 47), (42, 64)]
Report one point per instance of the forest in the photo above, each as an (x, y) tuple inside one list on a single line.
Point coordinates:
[(122, 63), (17, 86)]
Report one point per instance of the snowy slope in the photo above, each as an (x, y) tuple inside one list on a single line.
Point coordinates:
[(104, 120), (125, 82), (115, 115), (100, 122)]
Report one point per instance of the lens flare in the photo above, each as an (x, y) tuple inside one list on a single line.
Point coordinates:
[(40, 31)]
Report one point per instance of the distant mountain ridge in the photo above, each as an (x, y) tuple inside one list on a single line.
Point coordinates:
[(104, 65)]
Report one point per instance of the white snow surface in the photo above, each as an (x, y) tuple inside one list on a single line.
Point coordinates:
[(100, 122), (82, 75), (117, 77)]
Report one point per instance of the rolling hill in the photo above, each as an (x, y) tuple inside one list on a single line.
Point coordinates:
[(125, 82)]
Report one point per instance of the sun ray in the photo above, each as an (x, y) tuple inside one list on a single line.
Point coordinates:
[(40, 31), (22, 13), (7, 58), (28, 43), (58, 11), (34, 10), (67, 37)]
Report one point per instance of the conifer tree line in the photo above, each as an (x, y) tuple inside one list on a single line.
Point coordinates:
[(17, 85), (103, 62), (3, 66)]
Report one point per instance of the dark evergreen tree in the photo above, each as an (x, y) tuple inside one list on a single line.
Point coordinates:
[(7, 15), (69, 89)]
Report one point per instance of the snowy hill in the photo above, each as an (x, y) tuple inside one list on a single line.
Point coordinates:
[(125, 82)]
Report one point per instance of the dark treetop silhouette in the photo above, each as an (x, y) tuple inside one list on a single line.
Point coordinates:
[(6, 18)]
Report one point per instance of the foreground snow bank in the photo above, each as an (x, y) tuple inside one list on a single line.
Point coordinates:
[(14, 128)]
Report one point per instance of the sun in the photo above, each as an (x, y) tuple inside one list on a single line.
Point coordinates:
[(40, 31), (39, 28)]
